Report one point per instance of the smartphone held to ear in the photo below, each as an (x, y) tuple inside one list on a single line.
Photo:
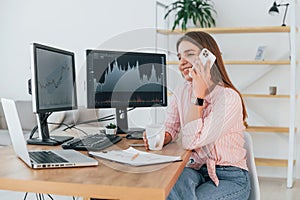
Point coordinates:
[(204, 56)]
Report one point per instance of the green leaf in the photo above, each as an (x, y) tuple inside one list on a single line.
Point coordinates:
[(199, 11)]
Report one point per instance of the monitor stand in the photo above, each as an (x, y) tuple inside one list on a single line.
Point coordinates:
[(122, 122), (44, 136)]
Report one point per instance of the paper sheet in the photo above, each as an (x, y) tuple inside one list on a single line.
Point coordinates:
[(134, 157)]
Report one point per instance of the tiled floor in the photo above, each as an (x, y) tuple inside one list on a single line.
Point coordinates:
[(270, 188)]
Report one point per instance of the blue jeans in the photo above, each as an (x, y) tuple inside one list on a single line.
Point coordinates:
[(196, 184)]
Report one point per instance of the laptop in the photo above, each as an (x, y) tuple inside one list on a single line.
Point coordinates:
[(38, 159)]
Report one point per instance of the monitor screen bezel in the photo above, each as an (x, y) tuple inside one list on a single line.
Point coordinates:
[(128, 105), (34, 79)]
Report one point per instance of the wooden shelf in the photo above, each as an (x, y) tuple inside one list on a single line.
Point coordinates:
[(280, 96), (267, 129), (247, 62), (172, 62), (220, 30), (283, 96), (271, 162), (257, 62)]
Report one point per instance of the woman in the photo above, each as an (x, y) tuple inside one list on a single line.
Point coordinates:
[(210, 114)]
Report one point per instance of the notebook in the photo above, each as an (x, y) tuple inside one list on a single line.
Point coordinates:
[(37, 159)]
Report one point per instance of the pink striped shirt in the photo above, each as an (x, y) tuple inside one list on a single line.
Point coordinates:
[(216, 138)]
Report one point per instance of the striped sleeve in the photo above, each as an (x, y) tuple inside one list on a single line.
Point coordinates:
[(172, 122)]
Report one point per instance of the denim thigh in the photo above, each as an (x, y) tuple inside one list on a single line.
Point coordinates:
[(234, 183), (185, 187)]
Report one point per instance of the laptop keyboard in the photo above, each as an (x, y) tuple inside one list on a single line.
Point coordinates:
[(95, 142), (46, 157)]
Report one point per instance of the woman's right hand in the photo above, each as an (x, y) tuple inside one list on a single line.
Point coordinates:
[(168, 139)]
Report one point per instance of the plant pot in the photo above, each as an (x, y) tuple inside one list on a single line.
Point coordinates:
[(111, 131)]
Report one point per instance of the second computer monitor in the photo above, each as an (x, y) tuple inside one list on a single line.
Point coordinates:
[(120, 80)]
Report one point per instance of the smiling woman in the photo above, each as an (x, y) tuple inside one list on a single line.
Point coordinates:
[(210, 113)]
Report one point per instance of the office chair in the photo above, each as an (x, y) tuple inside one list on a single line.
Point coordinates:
[(255, 191)]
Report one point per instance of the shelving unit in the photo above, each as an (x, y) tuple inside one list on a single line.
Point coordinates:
[(247, 62), (289, 130), (272, 162)]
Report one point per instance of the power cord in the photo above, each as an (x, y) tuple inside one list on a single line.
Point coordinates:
[(102, 119), (105, 118), (36, 127)]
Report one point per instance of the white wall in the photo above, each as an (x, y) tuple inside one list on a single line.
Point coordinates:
[(73, 25), (117, 24), (70, 24)]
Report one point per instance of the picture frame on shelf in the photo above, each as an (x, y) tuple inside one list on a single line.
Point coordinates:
[(260, 53)]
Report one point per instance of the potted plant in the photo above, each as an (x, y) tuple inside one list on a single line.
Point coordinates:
[(200, 12), (111, 129)]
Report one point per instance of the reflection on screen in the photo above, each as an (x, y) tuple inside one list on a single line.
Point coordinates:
[(54, 79)]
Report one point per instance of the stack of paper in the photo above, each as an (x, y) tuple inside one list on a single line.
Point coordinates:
[(134, 157)]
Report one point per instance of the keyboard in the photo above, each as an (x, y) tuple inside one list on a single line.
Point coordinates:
[(94, 142), (46, 157)]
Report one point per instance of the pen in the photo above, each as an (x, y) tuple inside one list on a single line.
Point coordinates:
[(135, 156)]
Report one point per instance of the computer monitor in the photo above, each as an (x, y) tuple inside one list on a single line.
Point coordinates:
[(53, 88), (122, 80)]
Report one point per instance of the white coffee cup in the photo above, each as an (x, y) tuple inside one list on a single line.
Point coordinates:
[(155, 134)]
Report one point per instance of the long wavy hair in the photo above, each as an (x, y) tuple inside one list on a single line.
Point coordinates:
[(218, 71)]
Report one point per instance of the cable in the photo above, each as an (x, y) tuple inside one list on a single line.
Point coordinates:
[(97, 120), (33, 131), (85, 133), (90, 121), (36, 127), (25, 196), (83, 130), (42, 122), (102, 119), (61, 123), (50, 196)]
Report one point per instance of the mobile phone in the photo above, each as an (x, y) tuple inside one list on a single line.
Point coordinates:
[(206, 55)]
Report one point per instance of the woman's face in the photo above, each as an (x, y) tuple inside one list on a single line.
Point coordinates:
[(187, 54)]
